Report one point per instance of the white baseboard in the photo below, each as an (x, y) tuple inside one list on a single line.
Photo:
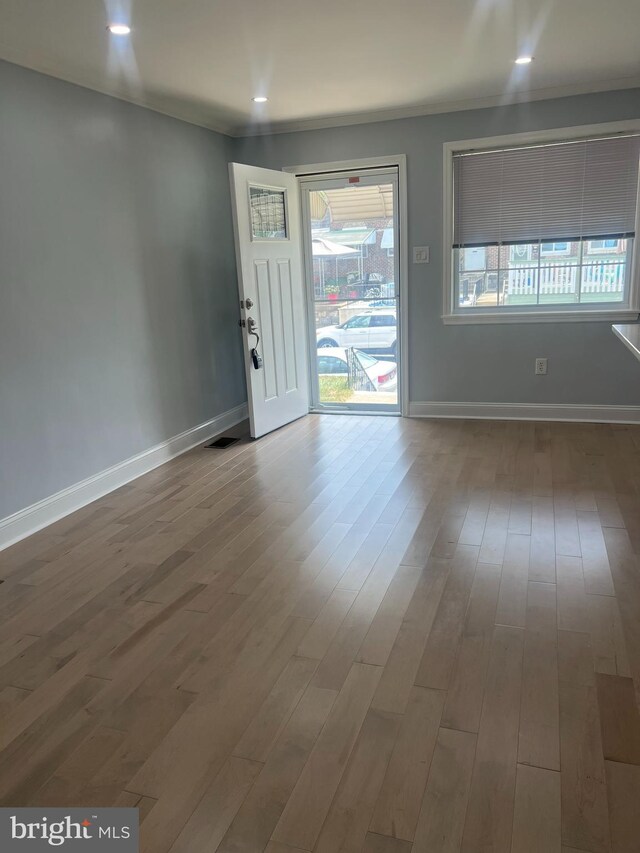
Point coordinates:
[(33, 518), (528, 412)]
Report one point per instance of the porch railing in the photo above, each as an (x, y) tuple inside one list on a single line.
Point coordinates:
[(358, 377), (566, 278)]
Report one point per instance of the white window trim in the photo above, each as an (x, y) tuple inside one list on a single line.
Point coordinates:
[(452, 314)]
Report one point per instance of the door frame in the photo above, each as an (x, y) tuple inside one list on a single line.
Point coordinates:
[(369, 177), (398, 161)]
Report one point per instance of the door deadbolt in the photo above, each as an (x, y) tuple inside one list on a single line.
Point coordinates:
[(248, 303)]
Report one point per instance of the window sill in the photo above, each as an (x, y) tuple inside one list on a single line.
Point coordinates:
[(605, 315)]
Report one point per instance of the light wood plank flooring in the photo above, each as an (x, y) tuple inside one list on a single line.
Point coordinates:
[(356, 634)]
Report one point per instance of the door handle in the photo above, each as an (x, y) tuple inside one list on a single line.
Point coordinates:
[(251, 325), (252, 329)]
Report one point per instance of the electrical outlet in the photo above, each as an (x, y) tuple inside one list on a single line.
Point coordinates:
[(541, 367)]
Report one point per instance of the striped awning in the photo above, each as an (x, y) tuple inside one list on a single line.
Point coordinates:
[(353, 204)]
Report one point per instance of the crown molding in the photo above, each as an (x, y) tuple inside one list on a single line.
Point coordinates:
[(435, 108), (178, 110), (183, 111)]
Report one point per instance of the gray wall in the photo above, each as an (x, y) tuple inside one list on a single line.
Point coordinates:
[(118, 296), (491, 363), (117, 278)]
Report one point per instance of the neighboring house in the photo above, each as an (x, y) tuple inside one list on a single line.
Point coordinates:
[(373, 265), (561, 271), (359, 218)]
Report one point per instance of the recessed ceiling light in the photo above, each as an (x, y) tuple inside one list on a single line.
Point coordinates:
[(259, 99), (119, 29), (524, 60)]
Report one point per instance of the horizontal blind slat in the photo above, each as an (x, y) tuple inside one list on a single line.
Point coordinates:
[(564, 190)]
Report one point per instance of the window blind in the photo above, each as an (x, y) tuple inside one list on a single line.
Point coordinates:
[(578, 190)]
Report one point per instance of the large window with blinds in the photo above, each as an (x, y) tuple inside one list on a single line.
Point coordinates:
[(543, 228)]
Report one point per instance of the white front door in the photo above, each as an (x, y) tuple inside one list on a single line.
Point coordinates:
[(266, 217)]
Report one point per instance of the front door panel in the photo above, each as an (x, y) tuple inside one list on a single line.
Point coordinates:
[(271, 289)]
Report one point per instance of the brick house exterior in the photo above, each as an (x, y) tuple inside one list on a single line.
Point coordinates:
[(370, 268), (555, 270)]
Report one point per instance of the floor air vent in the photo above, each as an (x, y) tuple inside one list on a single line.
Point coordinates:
[(221, 443)]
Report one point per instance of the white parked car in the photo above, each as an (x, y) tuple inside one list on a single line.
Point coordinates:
[(332, 361), (373, 331)]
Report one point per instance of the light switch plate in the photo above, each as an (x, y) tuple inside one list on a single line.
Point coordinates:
[(420, 254)]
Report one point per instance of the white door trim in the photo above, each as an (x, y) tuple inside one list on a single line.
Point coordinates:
[(400, 162)]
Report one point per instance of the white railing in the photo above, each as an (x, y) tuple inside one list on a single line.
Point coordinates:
[(566, 278), (603, 278)]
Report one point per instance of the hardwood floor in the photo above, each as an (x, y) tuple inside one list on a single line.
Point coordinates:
[(356, 634)]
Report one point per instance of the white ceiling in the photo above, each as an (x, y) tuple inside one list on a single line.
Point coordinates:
[(325, 62)]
